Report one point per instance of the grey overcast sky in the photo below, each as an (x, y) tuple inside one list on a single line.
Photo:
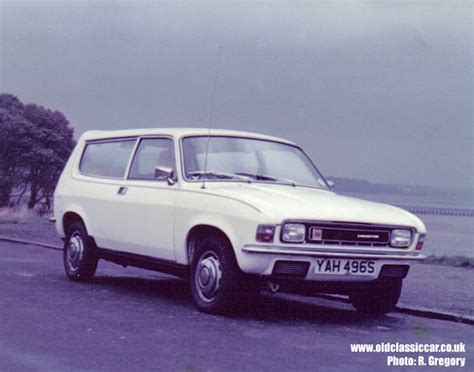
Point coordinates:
[(378, 90)]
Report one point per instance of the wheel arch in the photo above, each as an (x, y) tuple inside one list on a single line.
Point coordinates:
[(72, 213), (200, 231), (69, 218)]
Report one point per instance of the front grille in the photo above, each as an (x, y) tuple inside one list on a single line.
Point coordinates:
[(296, 269), (348, 234)]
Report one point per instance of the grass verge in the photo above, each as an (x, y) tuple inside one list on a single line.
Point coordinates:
[(454, 261), (14, 216)]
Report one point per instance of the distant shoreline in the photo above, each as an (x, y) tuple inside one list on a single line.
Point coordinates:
[(429, 198)]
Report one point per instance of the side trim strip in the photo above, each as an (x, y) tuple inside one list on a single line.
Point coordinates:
[(144, 262)]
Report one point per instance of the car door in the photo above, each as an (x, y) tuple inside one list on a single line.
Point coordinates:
[(101, 175), (145, 202)]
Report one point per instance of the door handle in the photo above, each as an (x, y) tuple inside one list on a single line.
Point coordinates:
[(122, 190)]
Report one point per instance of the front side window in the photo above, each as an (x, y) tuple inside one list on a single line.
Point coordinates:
[(152, 153), (107, 159), (236, 158)]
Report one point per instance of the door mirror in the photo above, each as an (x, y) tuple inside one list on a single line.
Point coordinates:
[(165, 173)]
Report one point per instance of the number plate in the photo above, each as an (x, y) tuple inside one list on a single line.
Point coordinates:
[(344, 267)]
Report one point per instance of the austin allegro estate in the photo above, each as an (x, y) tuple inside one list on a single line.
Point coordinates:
[(232, 212)]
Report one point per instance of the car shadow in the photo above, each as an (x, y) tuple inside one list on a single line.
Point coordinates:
[(264, 307), (287, 308), (146, 288)]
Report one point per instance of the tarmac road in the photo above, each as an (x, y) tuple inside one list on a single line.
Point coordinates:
[(136, 320)]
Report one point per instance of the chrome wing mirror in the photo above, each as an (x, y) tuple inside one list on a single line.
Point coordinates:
[(165, 173)]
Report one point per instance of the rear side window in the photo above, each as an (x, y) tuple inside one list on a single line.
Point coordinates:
[(107, 159)]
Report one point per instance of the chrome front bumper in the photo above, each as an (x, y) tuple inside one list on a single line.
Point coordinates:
[(317, 252)]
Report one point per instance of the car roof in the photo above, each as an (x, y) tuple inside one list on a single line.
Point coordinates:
[(176, 133)]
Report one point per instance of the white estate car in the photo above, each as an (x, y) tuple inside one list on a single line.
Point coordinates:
[(232, 212)]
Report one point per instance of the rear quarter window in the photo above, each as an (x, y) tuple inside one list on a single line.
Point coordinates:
[(106, 159)]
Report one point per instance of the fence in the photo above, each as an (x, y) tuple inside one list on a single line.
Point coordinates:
[(463, 212)]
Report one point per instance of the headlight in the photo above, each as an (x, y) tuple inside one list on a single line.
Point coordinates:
[(293, 232), (400, 238)]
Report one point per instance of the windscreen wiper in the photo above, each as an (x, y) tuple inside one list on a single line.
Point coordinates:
[(256, 176), (218, 175), (264, 177)]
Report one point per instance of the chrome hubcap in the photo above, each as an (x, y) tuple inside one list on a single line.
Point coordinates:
[(75, 251), (208, 276)]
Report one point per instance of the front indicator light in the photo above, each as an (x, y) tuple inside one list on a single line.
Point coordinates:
[(421, 241), (293, 233), (265, 233), (400, 238)]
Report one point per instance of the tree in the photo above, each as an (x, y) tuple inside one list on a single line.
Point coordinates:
[(35, 143), (53, 143), (10, 103), (15, 142)]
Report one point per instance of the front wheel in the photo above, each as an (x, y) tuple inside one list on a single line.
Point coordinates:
[(379, 298), (215, 276), (79, 255)]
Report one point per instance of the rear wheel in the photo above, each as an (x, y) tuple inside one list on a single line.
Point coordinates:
[(379, 298), (215, 277), (79, 255)]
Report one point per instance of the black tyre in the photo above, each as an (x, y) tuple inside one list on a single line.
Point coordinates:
[(80, 255), (215, 277), (379, 298)]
